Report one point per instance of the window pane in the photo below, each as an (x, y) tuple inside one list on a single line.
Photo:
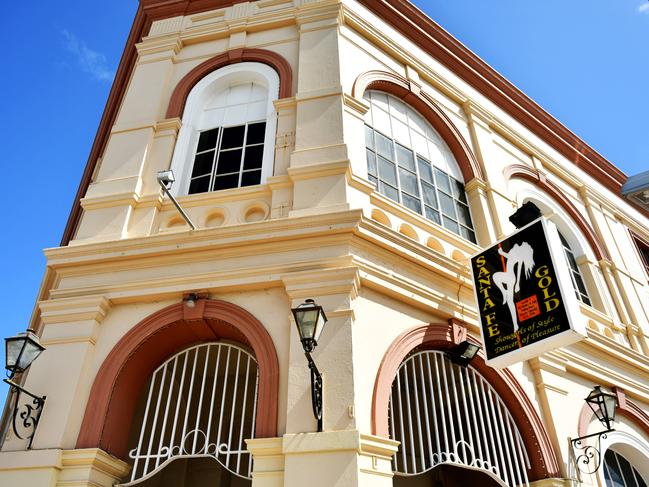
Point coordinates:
[(389, 191), (369, 138), (442, 180), (384, 146), (612, 470), (250, 178), (203, 164), (207, 140), (229, 161), (447, 204), (412, 203), (225, 182), (253, 157), (425, 171), (451, 225), (405, 157), (458, 190), (371, 163), (233, 137), (256, 133), (387, 171), (433, 215), (374, 181), (408, 182), (467, 233), (430, 195), (199, 185), (463, 214)]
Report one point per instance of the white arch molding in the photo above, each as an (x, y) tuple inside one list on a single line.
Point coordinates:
[(595, 285), (634, 449), (203, 111)]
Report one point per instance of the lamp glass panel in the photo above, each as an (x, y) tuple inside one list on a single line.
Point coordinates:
[(13, 347), (470, 351), (32, 350), (307, 321), (320, 325), (609, 406)]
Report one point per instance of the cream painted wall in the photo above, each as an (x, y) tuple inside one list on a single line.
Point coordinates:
[(315, 229)]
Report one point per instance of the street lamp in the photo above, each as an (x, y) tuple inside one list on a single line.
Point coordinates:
[(310, 320), (588, 458), (21, 350), (603, 405)]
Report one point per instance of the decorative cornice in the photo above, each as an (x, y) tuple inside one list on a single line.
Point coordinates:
[(74, 309)]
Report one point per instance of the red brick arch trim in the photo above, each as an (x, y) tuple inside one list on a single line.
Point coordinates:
[(444, 335), (119, 382), (274, 60), (411, 93), (625, 408), (539, 180)]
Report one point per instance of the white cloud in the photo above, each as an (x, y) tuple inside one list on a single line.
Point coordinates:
[(91, 62), (644, 8)]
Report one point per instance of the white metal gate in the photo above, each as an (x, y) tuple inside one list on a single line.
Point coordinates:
[(200, 403), (444, 413)]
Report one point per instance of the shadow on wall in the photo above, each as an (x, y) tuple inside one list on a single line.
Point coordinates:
[(447, 476)]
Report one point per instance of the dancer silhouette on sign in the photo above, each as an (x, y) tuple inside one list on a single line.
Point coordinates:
[(520, 257)]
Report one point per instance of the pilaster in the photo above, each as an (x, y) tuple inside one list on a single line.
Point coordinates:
[(335, 290), (70, 329)]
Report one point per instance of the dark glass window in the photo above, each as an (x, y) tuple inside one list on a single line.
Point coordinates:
[(228, 157), (618, 472), (643, 250)]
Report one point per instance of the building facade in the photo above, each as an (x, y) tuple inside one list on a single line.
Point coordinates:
[(350, 152)]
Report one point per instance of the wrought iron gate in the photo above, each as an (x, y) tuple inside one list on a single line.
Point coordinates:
[(200, 403), (444, 413)]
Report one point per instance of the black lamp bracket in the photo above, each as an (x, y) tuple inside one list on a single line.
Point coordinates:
[(588, 458), (316, 390), (27, 414)]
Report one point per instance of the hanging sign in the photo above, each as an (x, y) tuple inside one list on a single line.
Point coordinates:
[(526, 300)]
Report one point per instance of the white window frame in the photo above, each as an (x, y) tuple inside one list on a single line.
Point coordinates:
[(437, 154), (634, 450), (185, 150)]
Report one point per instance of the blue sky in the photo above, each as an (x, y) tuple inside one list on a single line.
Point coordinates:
[(585, 61)]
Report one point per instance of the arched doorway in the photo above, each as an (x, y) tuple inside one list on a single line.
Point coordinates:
[(452, 426), (125, 371), (510, 423), (193, 419)]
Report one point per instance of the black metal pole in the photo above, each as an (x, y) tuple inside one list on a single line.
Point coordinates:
[(316, 390)]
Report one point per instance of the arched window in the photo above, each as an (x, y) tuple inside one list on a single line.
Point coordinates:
[(227, 138), (199, 405), (575, 274), (449, 419), (409, 163), (619, 472)]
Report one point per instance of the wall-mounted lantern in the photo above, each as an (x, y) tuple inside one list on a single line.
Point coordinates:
[(21, 350), (310, 320), (588, 458)]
